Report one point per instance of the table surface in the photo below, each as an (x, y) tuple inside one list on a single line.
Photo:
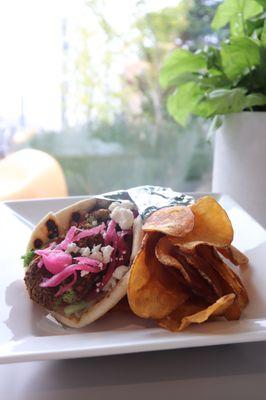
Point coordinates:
[(218, 373)]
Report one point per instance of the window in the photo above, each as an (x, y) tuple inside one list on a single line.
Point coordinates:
[(80, 80)]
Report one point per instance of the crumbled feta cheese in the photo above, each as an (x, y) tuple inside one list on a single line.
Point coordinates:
[(113, 205), (123, 216), (83, 273), (94, 223), (96, 247), (127, 204), (96, 253), (117, 275), (72, 248), (119, 272), (123, 203), (110, 285), (107, 252), (96, 256), (85, 251)]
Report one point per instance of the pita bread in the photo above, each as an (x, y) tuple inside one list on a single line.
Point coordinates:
[(60, 222)]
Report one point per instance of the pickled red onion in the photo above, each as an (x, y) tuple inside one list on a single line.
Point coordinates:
[(89, 232), (121, 244), (64, 288), (56, 279), (61, 264), (110, 233), (89, 261), (43, 252), (56, 261), (109, 273), (68, 238)]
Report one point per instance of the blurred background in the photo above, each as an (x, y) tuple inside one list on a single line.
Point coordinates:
[(79, 80)]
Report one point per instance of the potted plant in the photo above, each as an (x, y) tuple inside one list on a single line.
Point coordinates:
[(227, 84)]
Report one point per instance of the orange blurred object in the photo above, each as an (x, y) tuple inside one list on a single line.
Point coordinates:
[(28, 174)]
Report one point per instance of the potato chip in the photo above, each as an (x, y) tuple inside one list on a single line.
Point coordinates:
[(211, 225), (205, 270), (227, 274), (176, 221), (192, 312), (220, 286), (171, 256), (234, 311), (153, 292), (182, 274), (199, 285), (164, 253), (234, 255)]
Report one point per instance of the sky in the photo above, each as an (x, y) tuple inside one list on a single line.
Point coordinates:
[(31, 54)]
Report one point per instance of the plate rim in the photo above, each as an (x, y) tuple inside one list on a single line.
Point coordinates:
[(173, 341)]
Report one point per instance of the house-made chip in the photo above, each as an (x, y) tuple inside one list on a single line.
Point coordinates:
[(153, 292), (176, 221), (185, 315), (211, 225)]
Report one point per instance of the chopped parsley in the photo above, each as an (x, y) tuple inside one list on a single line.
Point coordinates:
[(27, 258), (69, 296)]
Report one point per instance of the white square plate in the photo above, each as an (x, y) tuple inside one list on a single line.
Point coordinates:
[(26, 333)]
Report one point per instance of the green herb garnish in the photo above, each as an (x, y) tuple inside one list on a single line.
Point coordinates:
[(69, 296), (74, 308), (27, 258)]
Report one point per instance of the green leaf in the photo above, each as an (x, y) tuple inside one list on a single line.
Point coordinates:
[(27, 258), (263, 35), (220, 102), (184, 78), (230, 9), (214, 79), (216, 123), (180, 62), (262, 2), (255, 99), (213, 58), (223, 80), (183, 101), (237, 27), (239, 57)]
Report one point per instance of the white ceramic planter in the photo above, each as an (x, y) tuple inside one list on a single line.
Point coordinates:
[(240, 161)]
